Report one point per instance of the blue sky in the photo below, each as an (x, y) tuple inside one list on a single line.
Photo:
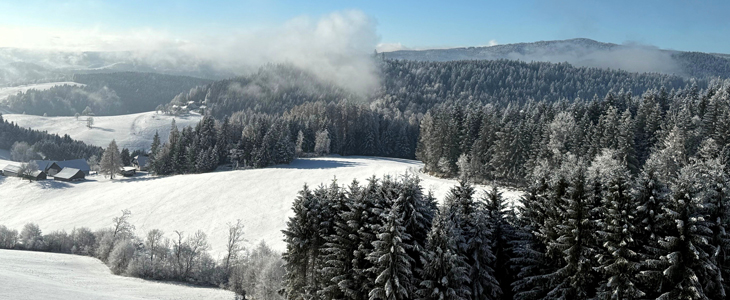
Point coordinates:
[(681, 25)]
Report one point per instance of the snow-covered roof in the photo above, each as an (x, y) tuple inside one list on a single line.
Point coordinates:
[(67, 173), (129, 169), (12, 168), (36, 173), (80, 164), (44, 164)]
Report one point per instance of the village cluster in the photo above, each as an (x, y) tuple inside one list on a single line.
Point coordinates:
[(68, 170)]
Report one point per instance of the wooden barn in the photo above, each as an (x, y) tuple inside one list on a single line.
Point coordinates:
[(36, 175), (70, 174)]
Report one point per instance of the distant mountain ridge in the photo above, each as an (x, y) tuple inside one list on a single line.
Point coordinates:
[(588, 53)]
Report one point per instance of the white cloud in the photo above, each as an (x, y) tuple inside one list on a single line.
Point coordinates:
[(390, 47), (337, 47)]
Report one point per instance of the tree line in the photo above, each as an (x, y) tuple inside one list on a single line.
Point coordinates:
[(492, 143), (182, 257), (52, 146)]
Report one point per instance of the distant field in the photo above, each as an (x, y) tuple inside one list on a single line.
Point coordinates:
[(262, 198), (133, 131), (41, 276)]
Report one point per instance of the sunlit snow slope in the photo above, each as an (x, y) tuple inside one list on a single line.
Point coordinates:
[(134, 131), (262, 198), (41, 276)]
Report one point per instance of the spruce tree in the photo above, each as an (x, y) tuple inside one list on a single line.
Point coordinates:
[(502, 238), (618, 262), (446, 272), (684, 260), (391, 263)]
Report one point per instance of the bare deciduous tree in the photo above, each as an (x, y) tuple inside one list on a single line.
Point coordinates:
[(235, 237)]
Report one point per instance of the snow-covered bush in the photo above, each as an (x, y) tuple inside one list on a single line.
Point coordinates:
[(84, 241), (121, 256)]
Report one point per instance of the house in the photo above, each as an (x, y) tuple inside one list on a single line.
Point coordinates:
[(70, 174), (142, 162), (79, 164), (36, 175), (128, 171), (48, 166), (11, 170)]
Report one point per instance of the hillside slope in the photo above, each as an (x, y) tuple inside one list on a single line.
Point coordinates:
[(262, 198), (36, 275), (134, 131)]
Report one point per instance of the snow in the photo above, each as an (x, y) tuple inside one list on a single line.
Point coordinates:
[(261, 198), (7, 91), (133, 131), (38, 275)]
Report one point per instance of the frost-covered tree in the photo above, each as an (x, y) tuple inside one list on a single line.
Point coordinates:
[(111, 162), (618, 262), (576, 278), (322, 143), (31, 237), (391, 263), (23, 152), (446, 272), (684, 258), (27, 170)]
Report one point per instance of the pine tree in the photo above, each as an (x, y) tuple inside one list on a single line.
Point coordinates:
[(576, 278), (713, 184), (111, 161), (299, 243), (503, 235), (391, 262), (445, 273), (155, 147), (618, 262), (650, 196), (684, 260)]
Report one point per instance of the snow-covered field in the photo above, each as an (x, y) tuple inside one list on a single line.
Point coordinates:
[(41, 276), (7, 91), (262, 198), (133, 131)]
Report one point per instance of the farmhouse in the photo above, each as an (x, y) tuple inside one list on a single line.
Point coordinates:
[(11, 171), (79, 164), (70, 174), (141, 162), (48, 166)]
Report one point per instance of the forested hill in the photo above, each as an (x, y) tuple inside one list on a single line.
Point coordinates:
[(585, 52), (415, 87), (273, 89), (141, 92), (104, 94)]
